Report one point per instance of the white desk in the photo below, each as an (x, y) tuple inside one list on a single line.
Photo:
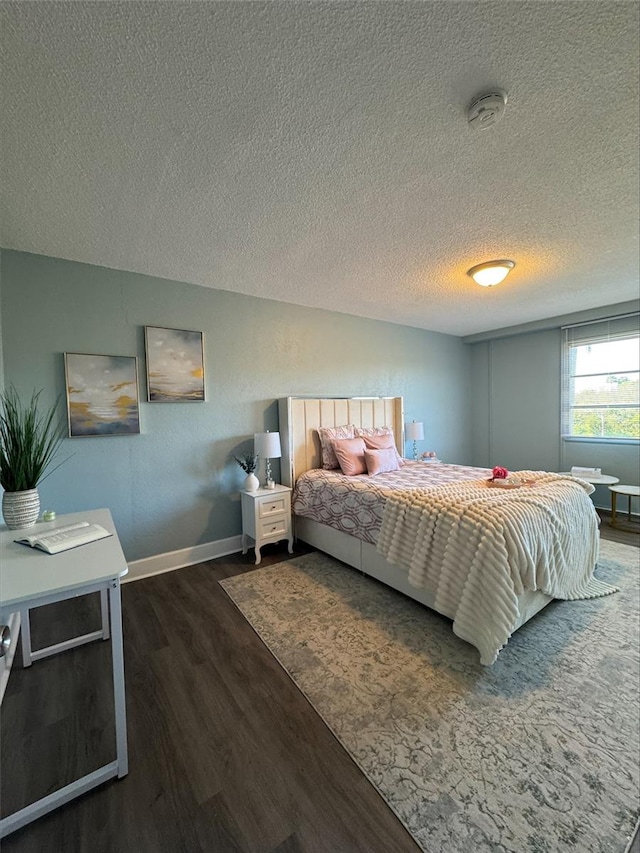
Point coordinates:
[(30, 578)]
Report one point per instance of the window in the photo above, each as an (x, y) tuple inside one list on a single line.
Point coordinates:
[(600, 380)]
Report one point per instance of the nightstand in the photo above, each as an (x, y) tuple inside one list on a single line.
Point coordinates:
[(266, 517)]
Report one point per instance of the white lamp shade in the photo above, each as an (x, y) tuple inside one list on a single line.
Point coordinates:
[(267, 445), (414, 431)]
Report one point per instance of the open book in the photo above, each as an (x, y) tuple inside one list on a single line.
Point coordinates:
[(63, 538)]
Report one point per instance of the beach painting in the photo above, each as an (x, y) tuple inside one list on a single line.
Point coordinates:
[(102, 394), (175, 365)]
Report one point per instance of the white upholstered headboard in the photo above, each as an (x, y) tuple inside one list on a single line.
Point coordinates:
[(300, 418)]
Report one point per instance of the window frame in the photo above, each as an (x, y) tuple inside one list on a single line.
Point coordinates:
[(623, 327)]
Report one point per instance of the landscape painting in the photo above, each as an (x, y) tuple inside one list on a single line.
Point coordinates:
[(102, 394), (175, 365)]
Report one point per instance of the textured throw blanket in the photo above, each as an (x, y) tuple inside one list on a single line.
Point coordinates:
[(476, 548)]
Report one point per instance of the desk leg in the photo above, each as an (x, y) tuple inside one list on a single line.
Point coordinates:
[(29, 656), (104, 610), (117, 654), (613, 509), (25, 630), (120, 766)]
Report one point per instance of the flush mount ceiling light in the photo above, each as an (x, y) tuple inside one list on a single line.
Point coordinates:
[(491, 272)]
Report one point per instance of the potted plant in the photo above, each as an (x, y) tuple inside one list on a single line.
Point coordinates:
[(249, 462), (29, 439)]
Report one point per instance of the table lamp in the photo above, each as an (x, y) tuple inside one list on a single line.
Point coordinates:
[(414, 432), (267, 445)]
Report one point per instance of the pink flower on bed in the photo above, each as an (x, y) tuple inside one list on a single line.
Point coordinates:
[(500, 473)]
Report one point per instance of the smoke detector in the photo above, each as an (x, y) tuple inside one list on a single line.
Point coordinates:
[(487, 109)]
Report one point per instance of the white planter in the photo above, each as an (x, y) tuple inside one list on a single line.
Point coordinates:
[(252, 484), (20, 509)]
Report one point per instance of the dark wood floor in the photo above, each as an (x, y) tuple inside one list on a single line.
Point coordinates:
[(226, 755)]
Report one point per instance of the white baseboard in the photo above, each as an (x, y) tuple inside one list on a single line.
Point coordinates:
[(172, 560)]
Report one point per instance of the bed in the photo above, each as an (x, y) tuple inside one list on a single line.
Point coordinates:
[(395, 556)]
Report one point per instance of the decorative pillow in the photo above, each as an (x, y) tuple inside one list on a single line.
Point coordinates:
[(379, 442), (379, 438), (350, 454), (327, 435), (381, 461)]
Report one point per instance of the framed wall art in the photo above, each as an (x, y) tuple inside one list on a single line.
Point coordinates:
[(175, 365), (102, 394)]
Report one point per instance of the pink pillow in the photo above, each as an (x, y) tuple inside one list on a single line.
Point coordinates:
[(350, 454), (379, 438), (327, 434), (379, 442), (381, 461)]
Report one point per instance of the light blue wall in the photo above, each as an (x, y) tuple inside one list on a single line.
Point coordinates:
[(1, 353), (516, 412), (174, 486)]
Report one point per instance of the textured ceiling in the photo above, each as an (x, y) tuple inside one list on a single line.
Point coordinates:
[(319, 153)]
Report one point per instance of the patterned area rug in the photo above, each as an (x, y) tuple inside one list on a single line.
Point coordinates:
[(536, 754)]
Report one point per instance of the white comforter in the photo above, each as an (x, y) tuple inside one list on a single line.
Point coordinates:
[(477, 548)]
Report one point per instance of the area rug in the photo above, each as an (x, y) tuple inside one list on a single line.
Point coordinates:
[(535, 754)]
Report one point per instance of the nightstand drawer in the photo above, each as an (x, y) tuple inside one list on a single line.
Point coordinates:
[(276, 506), (274, 527)]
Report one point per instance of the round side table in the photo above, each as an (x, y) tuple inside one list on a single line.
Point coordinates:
[(596, 480), (630, 492)]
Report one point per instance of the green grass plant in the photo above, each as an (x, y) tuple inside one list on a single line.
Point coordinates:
[(29, 440)]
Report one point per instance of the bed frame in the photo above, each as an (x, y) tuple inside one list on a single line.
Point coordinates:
[(300, 418)]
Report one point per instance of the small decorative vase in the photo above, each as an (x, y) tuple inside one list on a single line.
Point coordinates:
[(20, 509), (252, 484)]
